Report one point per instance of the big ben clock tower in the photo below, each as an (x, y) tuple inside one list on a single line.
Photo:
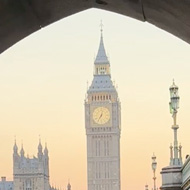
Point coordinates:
[(102, 123)]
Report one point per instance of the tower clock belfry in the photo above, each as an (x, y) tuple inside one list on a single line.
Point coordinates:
[(102, 123)]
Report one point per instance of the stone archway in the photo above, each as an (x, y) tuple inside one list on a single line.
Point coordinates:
[(19, 19)]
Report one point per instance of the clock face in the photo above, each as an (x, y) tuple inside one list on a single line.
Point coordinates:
[(101, 115)]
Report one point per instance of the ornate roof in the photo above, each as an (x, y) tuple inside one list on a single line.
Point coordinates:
[(101, 83), (101, 57)]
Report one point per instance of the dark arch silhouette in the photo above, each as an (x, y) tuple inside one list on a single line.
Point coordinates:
[(20, 18)]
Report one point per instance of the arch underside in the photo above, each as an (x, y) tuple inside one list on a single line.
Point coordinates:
[(20, 18)]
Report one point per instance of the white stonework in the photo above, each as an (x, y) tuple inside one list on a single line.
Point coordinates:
[(186, 174), (102, 123), (31, 173), (6, 185), (171, 178)]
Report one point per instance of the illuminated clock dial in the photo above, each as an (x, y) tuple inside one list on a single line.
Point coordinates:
[(101, 115)]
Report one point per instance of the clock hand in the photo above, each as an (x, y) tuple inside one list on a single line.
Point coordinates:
[(100, 117)]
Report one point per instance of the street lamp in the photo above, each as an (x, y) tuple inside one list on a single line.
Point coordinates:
[(174, 105), (154, 165), (174, 101), (146, 187)]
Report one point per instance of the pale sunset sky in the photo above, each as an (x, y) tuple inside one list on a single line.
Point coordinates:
[(43, 81)]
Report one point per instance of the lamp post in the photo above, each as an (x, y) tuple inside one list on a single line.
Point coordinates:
[(174, 102), (174, 105), (154, 165)]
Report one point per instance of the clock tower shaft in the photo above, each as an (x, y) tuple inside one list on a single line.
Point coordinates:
[(102, 123)]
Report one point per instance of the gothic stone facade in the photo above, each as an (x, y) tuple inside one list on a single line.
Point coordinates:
[(31, 173)]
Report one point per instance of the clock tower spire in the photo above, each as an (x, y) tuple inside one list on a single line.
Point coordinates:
[(101, 63), (102, 123)]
